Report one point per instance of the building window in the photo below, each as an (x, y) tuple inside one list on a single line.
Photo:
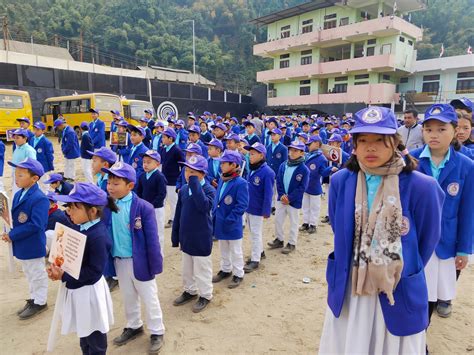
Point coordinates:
[(306, 57), (410, 42), (361, 83), (272, 92), (285, 31), (305, 87), (307, 26), (341, 78), (344, 21), (284, 64), (365, 15), (403, 80), (386, 49), (431, 88), (372, 41), (370, 51), (466, 85), (401, 39), (359, 50), (466, 74), (361, 76), (386, 77), (340, 88), (431, 77), (330, 21)]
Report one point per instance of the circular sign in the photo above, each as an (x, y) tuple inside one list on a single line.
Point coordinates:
[(165, 109)]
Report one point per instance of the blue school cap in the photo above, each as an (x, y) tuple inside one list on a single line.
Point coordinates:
[(138, 129), (115, 112), (441, 112), (85, 192), (259, 147), (149, 111), (122, 123), (122, 170), (231, 156), (54, 178), (106, 154), (20, 132), (24, 119), (314, 138), (303, 135), (170, 132), (215, 143), (335, 138), (52, 196), (275, 131), (58, 122), (193, 148), (153, 154), (94, 110), (179, 123), (196, 162), (194, 129), (375, 119), (232, 136), (219, 125), (84, 125), (39, 125), (143, 119), (249, 123), (206, 113), (234, 119), (159, 124), (298, 145), (32, 165), (462, 103), (191, 116)]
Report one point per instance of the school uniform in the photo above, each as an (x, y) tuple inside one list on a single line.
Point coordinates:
[(317, 166), (137, 260), (123, 151), (156, 143), (170, 156), (285, 140), (324, 135), (455, 176), (71, 151), (260, 187), (2, 164), (252, 139), (276, 155), (182, 138), (30, 217), (369, 324), (206, 137), (102, 180), (97, 133), (468, 152), (21, 153), (290, 181), (86, 158), (235, 129), (230, 204), (64, 188), (148, 137), (135, 158), (214, 170), (44, 152), (192, 231), (348, 146), (152, 188)]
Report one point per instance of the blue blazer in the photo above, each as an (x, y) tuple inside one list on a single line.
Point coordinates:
[(169, 162), (70, 144), (2, 157), (86, 145), (421, 200), (182, 138), (146, 252), (235, 129), (45, 153), (206, 137), (97, 133), (153, 189), (192, 223), (317, 166), (66, 188), (148, 137), (277, 157), (205, 154), (254, 139), (468, 152), (324, 135), (156, 142), (298, 184), (260, 184), (30, 218), (136, 160), (229, 208), (457, 222), (211, 173)]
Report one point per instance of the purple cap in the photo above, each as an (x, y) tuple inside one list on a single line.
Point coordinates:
[(249, 123), (216, 143), (179, 123), (232, 136), (170, 132), (194, 129), (159, 124), (335, 130), (335, 138), (153, 154), (122, 170), (207, 113), (20, 132), (138, 129), (54, 178), (115, 112), (243, 140), (313, 128), (85, 192), (234, 119), (343, 132), (315, 138), (122, 123), (219, 125), (32, 165), (297, 145), (84, 125), (143, 119), (275, 131), (375, 119), (219, 118), (196, 162), (58, 122), (39, 125), (170, 119), (106, 154), (94, 110), (191, 116), (282, 127), (272, 119), (231, 156), (24, 119), (193, 148), (149, 111), (259, 147), (52, 196), (441, 112), (303, 135), (463, 103)]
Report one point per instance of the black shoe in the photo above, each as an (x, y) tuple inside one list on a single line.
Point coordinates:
[(214, 239), (263, 256), (325, 219), (200, 305), (28, 302), (112, 283), (312, 229), (32, 310), (156, 343), (169, 224), (276, 244), (288, 249), (235, 281), (304, 227), (127, 335), (221, 275), (273, 210), (251, 266), (183, 299)]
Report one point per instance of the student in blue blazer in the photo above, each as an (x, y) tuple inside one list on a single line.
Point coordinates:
[(134, 158), (386, 222), (97, 129), (156, 142), (230, 204), (285, 137), (206, 136), (181, 134), (58, 184), (86, 157), (261, 180), (215, 149), (143, 122), (191, 150), (102, 158), (136, 254), (251, 137), (69, 147), (440, 158), (2, 163), (44, 150), (277, 154), (193, 137), (29, 213)]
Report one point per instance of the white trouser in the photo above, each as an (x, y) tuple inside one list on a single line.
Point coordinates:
[(197, 275), (2, 186), (87, 170), (440, 279), (172, 198), (255, 229), (311, 208), (275, 195), (69, 170), (280, 215), (133, 291), (160, 222), (35, 272), (232, 259)]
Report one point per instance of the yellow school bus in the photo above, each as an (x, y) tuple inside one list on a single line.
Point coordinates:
[(135, 109), (75, 109), (13, 104)]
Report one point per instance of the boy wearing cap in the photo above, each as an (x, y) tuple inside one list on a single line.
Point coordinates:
[(97, 129), (285, 136), (194, 137), (191, 150), (137, 256), (234, 125), (69, 147), (149, 116), (148, 136), (57, 183), (29, 218), (86, 148), (292, 181), (219, 130), (24, 123), (230, 204), (206, 136), (181, 134), (192, 231), (102, 158), (251, 137), (277, 154), (261, 179), (156, 142), (44, 151), (215, 149), (137, 135), (123, 151), (151, 187), (22, 151), (115, 119)]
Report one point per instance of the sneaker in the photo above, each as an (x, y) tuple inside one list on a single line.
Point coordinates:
[(156, 343), (169, 224), (200, 305), (221, 275), (273, 210), (288, 249), (183, 299), (262, 256), (444, 309), (325, 219), (127, 335), (276, 244), (251, 266), (304, 227), (28, 302), (312, 229), (32, 310), (235, 281), (112, 283)]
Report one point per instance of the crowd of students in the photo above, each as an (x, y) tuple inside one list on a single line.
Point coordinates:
[(402, 226)]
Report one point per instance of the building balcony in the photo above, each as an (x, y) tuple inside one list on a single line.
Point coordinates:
[(382, 63), (369, 94), (379, 27)]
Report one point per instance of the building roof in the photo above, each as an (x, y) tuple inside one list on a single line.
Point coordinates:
[(445, 63), (37, 49), (169, 74)]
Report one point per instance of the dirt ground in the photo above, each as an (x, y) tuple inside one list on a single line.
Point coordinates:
[(272, 312)]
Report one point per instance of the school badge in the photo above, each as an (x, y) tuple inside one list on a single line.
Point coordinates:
[(228, 200), (192, 160), (96, 129), (134, 165), (312, 166), (256, 181), (278, 155), (22, 217), (405, 227), (453, 189), (138, 223), (40, 150), (299, 177), (117, 166), (372, 115)]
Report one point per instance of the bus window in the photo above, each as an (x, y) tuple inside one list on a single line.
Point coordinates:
[(107, 103), (85, 105), (137, 111), (11, 101), (64, 107), (74, 106)]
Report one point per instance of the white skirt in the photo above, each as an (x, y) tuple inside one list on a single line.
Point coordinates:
[(440, 278), (87, 309), (361, 329)]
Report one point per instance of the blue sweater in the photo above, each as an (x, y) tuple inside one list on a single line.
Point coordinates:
[(86, 145), (153, 189), (169, 162), (261, 190)]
